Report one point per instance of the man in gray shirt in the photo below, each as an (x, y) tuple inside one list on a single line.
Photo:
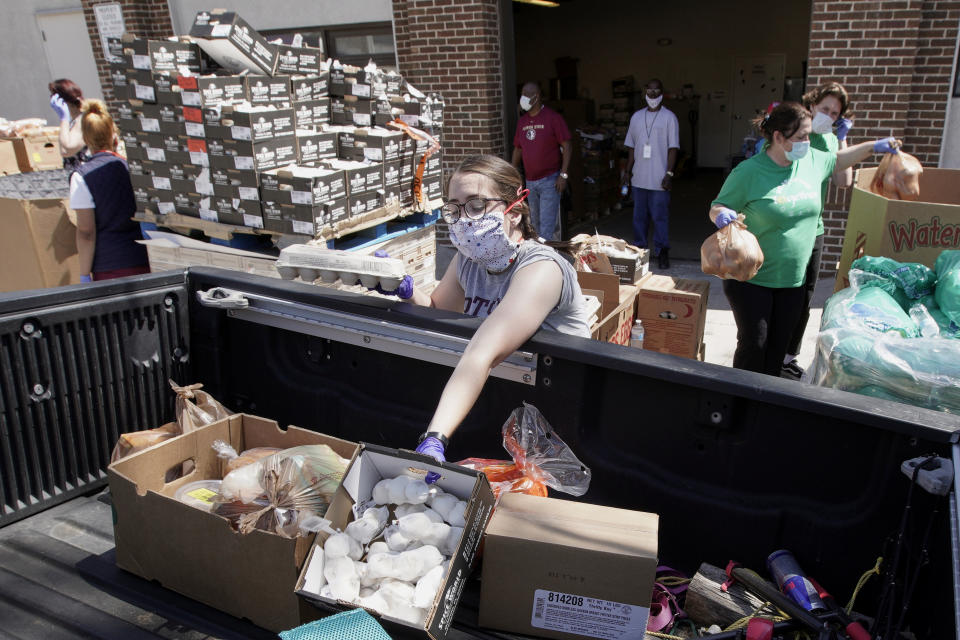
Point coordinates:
[(653, 138)]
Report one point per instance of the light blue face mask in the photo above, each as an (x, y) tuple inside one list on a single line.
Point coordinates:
[(798, 151)]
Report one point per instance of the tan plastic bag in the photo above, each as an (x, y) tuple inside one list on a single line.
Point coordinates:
[(732, 252), (195, 409), (898, 177)]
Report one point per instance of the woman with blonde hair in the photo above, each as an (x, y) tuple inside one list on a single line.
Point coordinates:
[(102, 196), (501, 273)]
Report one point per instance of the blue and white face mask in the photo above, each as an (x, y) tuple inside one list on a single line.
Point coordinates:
[(798, 151)]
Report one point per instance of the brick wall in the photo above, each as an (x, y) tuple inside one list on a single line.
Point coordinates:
[(453, 47), (894, 57), (144, 18)]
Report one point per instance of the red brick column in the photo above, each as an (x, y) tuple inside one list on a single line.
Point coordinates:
[(453, 47), (894, 58), (144, 18)]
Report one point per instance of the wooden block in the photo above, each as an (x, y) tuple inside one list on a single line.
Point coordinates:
[(708, 604)]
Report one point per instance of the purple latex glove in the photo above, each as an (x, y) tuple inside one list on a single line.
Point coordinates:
[(725, 217), (86, 278), (843, 128), (434, 448), (58, 105), (885, 145), (404, 291)]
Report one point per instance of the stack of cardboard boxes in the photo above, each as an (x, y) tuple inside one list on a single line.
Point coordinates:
[(623, 106), (225, 126)]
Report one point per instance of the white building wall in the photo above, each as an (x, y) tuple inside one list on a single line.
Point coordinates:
[(24, 73), (279, 14)]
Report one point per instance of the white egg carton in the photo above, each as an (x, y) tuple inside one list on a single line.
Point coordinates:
[(309, 262)]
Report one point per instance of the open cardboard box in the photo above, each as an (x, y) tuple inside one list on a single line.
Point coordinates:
[(561, 569), (371, 465), (38, 244), (198, 553), (617, 306), (902, 230)]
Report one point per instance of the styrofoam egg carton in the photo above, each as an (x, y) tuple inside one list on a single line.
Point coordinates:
[(309, 262)]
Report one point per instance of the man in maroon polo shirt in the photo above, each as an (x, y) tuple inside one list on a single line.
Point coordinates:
[(542, 142)]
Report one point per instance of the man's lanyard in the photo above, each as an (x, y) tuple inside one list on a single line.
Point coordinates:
[(649, 127)]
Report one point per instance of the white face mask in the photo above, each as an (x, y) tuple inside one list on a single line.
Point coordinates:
[(525, 103), (654, 102), (822, 123), (798, 151), (484, 241)]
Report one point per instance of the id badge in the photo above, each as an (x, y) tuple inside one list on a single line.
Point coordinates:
[(647, 151)]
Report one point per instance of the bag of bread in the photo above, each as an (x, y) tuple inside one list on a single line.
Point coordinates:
[(236, 460), (195, 408), (898, 177), (732, 252)]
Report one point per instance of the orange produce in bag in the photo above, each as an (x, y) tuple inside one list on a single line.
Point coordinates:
[(732, 252), (898, 177)]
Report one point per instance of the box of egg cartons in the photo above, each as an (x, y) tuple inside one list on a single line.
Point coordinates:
[(398, 547)]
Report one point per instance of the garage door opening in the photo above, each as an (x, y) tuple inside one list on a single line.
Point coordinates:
[(720, 63)]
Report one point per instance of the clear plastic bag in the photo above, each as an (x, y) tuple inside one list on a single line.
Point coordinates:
[(277, 492), (732, 252), (540, 459), (948, 284), (868, 345), (236, 460)]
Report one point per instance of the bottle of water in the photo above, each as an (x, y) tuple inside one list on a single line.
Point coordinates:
[(636, 335)]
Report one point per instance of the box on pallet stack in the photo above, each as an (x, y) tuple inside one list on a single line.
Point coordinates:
[(184, 111), (674, 312)]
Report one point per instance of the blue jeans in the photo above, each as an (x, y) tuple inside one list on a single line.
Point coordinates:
[(544, 200), (647, 204)]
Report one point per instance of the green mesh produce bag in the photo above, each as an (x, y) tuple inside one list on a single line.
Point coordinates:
[(913, 279), (948, 284), (356, 624)]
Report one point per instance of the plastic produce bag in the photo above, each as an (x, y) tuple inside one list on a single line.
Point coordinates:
[(732, 252), (540, 459), (236, 460), (277, 492), (898, 177), (195, 408), (905, 281), (948, 284), (869, 345)]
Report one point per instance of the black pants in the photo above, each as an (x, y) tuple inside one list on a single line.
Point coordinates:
[(809, 286), (766, 319)]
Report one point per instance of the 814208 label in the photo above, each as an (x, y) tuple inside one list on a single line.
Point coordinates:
[(590, 617)]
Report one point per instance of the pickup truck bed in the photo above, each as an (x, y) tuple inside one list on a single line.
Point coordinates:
[(737, 464), (58, 580)]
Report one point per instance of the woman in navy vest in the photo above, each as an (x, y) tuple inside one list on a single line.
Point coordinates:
[(102, 196)]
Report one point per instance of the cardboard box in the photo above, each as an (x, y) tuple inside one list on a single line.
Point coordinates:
[(589, 577), (173, 56), (38, 245), (197, 553), (262, 90), (37, 152), (293, 60), (314, 147), (311, 114), (218, 90), (322, 185), (8, 158), (374, 463), (901, 230), (234, 44), (674, 312), (312, 87)]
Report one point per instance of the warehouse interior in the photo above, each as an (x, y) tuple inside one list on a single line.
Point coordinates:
[(720, 62)]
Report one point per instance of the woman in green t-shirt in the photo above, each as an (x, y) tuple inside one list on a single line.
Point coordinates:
[(830, 107), (779, 193)]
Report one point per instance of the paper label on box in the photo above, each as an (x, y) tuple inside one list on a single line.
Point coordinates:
[(362, 119), (161, 183), (360, 90), (141, 62), (190, 98), (199, 158), (204, 188), (301, 197), (165, 207), (306, 228), (248, 193), (195, 129), (240, 133), (250, 220), (155, 154), (208, 214), (145, 92), (591, 617), (150, 124), (243, 162), (220, 30)]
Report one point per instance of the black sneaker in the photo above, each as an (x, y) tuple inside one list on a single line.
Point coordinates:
[(664, 258), (791, 370)]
